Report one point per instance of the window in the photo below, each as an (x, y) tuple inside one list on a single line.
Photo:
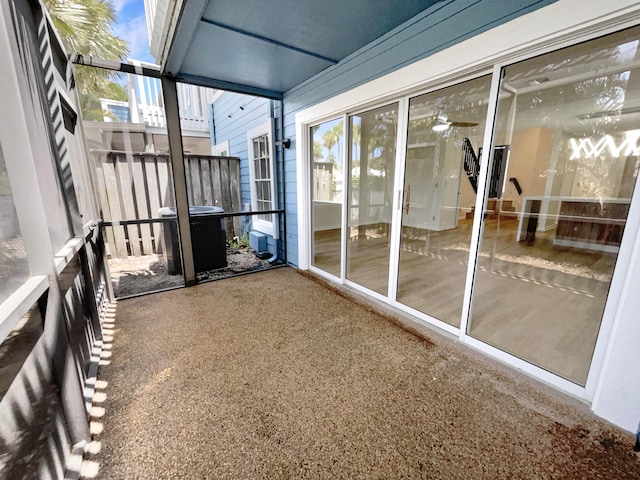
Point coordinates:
[(261, 155), (221, 149)]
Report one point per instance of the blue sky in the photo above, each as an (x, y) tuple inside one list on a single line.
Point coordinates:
[(131, 26)]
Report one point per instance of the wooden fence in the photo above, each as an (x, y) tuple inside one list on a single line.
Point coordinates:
[(135, 186), (323, 181)]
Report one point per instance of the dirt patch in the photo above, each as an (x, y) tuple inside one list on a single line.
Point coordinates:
[(135, 275), (148, 273), (240, 260)]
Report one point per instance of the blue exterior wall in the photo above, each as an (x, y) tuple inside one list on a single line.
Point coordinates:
[(231, 123), (233, 115), (437, 28)]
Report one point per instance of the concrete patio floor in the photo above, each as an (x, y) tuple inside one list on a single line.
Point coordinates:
[(273, 375)]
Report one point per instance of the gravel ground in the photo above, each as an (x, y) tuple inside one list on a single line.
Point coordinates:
[(275, 376)]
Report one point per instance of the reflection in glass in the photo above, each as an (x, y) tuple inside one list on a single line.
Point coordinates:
[(14, 268), (370, 200), (125, 131), (446, 128), (327, 193), (544, 274)]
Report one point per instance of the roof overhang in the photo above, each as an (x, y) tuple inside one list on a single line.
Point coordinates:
[(266, 48)]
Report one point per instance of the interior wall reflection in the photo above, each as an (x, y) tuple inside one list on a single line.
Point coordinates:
[(571, 122)]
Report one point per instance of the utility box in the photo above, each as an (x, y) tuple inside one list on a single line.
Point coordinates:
[(258, 241), (208, 239)]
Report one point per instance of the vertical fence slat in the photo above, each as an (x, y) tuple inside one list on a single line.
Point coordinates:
[(141, 202), (196, 181), (150, 171), (100, 160), (226, 196), (126, 184), (187, 173), (165, 183), (215, 183), (206, 182), (111, 184), (236, 202)]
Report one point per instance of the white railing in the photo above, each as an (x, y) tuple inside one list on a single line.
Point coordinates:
[(146, 103)]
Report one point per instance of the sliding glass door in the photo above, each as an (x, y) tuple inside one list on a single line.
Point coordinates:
[(372, 158), (570, 122), (530, 272), (445, 131), (327, 194)]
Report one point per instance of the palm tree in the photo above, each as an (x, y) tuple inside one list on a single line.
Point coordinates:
[(317, 150), (338, 131), (84, 27), (330, 139)]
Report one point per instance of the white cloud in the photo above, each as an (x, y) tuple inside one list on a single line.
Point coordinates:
[(134, 32), (118, 5)]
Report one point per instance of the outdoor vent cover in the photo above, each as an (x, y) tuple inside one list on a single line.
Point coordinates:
[(258, 241)]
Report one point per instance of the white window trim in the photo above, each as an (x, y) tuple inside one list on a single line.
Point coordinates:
[(549, 28), (266, 227), (219, 148)]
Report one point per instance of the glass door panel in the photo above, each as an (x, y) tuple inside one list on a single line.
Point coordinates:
[(568, 128), (327, 194), (445, 131), (372, 159)]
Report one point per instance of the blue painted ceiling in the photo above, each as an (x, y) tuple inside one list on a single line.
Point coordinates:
[(267, 47)]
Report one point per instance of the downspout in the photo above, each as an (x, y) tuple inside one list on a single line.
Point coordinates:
[(284, 184), (213, 125)]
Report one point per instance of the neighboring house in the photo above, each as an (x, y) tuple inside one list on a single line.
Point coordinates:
[(115, 110), (142, 118), (243, 126), (522, 257)]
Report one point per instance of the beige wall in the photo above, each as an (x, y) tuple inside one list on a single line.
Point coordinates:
[(529, 156)]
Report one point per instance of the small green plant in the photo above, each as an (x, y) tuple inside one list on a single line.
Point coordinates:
[(240, 242)]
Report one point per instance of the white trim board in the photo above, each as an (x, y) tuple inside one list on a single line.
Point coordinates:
[(267, 128), (219, 149)]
